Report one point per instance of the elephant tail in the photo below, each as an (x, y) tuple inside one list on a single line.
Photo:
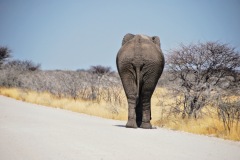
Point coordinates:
[(138, 83)]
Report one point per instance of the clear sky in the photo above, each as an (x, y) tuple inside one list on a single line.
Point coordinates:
[(76, 34)]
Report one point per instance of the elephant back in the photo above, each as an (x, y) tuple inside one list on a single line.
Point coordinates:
[(140, 49)]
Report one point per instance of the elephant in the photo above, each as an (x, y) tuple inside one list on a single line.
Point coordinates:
[(140, 63)]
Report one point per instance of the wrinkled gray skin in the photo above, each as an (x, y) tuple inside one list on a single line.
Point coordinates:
[(140, 63)]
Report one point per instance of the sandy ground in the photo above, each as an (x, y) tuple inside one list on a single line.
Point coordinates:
[(33, 132)]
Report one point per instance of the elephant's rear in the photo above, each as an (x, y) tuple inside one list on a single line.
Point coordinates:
[(140, 52), (140, 63)]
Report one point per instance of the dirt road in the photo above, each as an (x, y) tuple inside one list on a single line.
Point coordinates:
[(33, 132)]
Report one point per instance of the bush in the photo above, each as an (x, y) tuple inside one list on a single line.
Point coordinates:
[(229, 112), (96, 84), (200, 71)]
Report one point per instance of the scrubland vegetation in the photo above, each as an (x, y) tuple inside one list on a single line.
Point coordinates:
[(199, 91)]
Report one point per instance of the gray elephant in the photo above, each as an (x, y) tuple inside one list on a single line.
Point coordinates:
[(140, 63)]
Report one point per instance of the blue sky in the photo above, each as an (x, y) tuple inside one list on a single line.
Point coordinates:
[(68, 34)]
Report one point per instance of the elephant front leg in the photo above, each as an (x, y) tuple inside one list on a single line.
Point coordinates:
[(131, 113)]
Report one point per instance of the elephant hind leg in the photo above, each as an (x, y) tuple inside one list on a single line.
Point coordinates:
[(146, 111), (150, 80), (130, 87), (131, 112)]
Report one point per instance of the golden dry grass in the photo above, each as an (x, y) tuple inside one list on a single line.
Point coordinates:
[(100, 109), (208, 125)]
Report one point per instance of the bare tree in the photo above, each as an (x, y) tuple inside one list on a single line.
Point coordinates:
[(100, 70), (201, 70), (4, 55)]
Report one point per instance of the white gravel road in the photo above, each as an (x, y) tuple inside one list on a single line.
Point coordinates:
[(33, 132)]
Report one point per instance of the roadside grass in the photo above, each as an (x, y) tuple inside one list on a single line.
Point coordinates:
[(100, 109), (209, 124)]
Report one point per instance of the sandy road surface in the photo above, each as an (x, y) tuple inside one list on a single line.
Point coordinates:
[(33, 132)]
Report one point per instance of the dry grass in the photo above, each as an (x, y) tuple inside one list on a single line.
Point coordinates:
[(209, 125), (100, 109)]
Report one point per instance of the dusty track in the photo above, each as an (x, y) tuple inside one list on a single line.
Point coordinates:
[(33, 132)]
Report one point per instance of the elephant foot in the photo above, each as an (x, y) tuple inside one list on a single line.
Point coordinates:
[(131, 124), (146, 125)]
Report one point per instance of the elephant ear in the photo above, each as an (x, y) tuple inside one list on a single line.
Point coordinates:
[(156, 40), (127, 38)]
